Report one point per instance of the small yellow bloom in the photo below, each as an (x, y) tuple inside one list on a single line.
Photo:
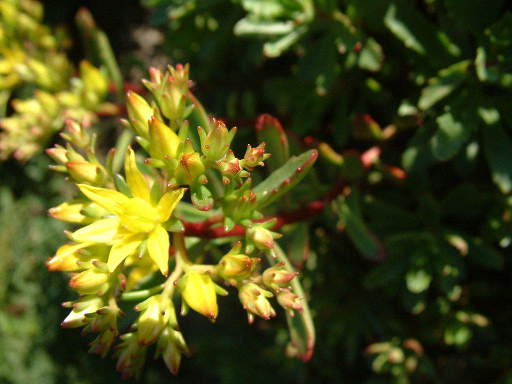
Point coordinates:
[(200, 293), (135, 219)]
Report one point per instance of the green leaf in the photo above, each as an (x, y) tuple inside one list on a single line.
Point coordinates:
[(445, 83), (371, 56), (497, 148), (352, 220), (247, 27), (201, 197), (484, 254), (298, 245), (451, 134), (276, 47), (284, 178), (301, 327), (418, 281), (270, 131)]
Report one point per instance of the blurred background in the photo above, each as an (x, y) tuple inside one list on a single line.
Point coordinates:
[(407, 271)]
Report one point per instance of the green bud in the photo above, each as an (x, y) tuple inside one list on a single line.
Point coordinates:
[(139, 113), (215, 144), (255, 301), (278, 277)]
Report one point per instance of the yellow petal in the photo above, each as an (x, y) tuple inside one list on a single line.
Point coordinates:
[(158, 248), (70, 212), (168, 202), (199, 293), (122, 249), (139, 216), (109, 199), (134, 177), (66, 257), (101, 231), (163, 141)]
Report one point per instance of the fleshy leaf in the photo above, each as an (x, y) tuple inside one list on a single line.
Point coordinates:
[(284, 178), (351, 219), (271, 132)]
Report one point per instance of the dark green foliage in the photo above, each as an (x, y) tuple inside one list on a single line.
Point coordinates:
[(409, 277)]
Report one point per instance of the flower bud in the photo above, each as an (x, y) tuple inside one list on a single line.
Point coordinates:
[(163, 142), (83, 171), (131, 356), (155, 314), (66, 258), (90, 281), (190, 167), (200, 294), (83, 306), (289, 301), (58, 154), (93, 79), (234, 266), (103, 342), (70, 212), (255, 156), (171, 345), (278, 277), (215, 144), (77, 134), (254, 300), (230, 166), (262, 238), (139, 113)]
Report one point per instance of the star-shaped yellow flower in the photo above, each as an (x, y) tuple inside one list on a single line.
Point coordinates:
[(134, 219)]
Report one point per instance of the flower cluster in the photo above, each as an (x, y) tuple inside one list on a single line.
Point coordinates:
[(131, 244), (32, 55)]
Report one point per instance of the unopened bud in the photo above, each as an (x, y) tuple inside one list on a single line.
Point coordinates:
[(234, 266), (278, 277), (58, 154), (230, 166), (190, 167), (200, 294), (91, 281), (262, 238), (155, 315), (163, 142), (82, 307), (171, 345), (289, 300), (70, 212), (66, 258), (83, 171), (255, 156), (215, 143), (255, 300), (139, 113)]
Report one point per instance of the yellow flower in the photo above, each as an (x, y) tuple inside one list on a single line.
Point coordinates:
[(135, 219)]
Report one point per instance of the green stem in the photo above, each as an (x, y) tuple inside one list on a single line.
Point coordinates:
[(141, 294), (302, 328), (181, 260)]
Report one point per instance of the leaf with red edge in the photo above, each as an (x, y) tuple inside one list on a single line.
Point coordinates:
[(270, 131)]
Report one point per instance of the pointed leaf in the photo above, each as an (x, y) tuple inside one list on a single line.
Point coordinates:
[(352, 220), (271, 132), (284, 178)]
